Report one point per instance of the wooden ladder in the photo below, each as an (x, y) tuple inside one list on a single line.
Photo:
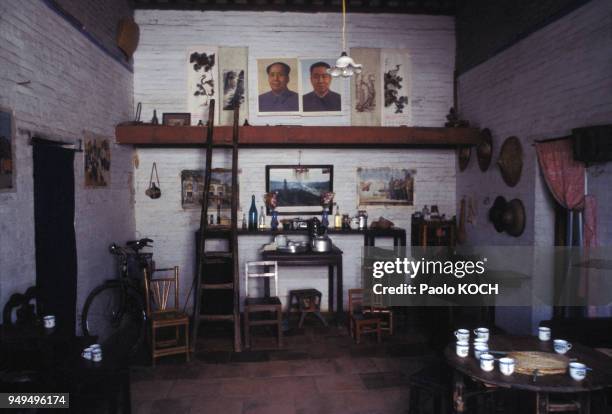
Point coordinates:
[(217, 293)]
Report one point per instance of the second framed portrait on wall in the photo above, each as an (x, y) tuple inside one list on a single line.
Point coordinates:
[(320, 93)]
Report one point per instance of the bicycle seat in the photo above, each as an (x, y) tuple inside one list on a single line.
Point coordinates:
[(138, 244)]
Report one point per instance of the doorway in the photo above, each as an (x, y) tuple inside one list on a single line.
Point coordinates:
[(56, 263)]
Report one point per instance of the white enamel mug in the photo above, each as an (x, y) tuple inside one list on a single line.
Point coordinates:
[(482, 333), (480, 349), (462, 335), (487, 362), (462, 348), (49, 321), (561, 346), (506, 365), (544, 333), (577, 370)]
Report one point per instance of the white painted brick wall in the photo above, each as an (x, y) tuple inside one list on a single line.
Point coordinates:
[(173, 228), (73, 86), (160, 82), (556, 79)]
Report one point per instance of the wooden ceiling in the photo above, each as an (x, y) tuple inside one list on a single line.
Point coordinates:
[(435, 7)]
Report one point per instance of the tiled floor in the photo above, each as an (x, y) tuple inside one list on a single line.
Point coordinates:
[(320, 370)]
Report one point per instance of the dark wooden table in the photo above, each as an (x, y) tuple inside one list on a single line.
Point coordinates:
[(599, 378), (330, 259)]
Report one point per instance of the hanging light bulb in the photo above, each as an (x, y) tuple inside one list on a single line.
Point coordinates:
[(345, 65)]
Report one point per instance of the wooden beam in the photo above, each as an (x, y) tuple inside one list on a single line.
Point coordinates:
[(299, 136)]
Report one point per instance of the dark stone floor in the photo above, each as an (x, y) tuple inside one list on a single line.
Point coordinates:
[(319, 370)]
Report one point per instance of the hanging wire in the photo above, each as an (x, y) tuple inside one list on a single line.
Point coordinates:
[(344, 25)]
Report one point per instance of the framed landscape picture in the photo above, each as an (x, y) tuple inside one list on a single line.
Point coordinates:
[(385, 186), (299, 187)]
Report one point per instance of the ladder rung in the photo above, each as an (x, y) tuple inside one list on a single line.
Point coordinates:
[(217, 286), (218, 255), (217, 317)]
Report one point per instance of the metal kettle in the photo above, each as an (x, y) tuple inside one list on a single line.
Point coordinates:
[(321, 244)]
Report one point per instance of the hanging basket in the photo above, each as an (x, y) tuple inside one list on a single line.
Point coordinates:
[(154, 190)]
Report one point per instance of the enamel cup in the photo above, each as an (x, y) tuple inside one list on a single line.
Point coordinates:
[(482, 333), (480, 349), (577, 370), (462, 348), (487, 362), (462, 335), (87, 353), (561, 346), (479, 341), (49, 321), (506, 365), (544, 333)]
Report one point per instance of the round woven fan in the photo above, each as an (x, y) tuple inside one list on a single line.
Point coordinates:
[(545, 363)]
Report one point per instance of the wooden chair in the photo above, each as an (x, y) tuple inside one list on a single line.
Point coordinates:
[(382, 311), (360, 322), (266, 303), (162, 314)]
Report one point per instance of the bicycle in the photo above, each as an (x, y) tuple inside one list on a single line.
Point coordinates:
[(114, 311)]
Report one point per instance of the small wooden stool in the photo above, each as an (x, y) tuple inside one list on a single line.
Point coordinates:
[(308, 301)]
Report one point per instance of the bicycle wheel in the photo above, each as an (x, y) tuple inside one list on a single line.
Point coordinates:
[(117, 321)]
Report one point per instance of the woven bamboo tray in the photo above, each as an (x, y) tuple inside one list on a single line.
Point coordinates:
[(545, 363)]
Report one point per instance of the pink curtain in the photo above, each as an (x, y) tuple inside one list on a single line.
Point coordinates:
[(590, 221), (564, 176)]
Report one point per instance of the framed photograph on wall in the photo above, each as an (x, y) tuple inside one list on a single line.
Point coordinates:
[(220, 197), (176, 118), (385, 186), (97, 161), (299, 187), (7, 132)]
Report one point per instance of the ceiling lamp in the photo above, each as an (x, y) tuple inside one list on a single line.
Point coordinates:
[(345, 65)]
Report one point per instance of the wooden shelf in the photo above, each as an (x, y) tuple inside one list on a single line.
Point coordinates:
[(298, 136)]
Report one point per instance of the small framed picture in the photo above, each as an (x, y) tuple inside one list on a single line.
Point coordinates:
[(177, 119)]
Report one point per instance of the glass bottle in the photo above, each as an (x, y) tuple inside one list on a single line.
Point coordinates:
[(155, 121), (425, 212), (262, 219), (338, 218), (253, 214), (244, 222)]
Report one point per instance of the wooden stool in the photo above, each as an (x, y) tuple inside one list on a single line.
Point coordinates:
[(308, 301)]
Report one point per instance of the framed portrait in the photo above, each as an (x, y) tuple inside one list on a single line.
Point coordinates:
[(176, 118), (219, 199), (7, 133), (97, 161), (385, 186), (278, 86), (320, 94), (299, 187)]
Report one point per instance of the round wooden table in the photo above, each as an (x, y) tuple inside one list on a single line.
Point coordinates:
[(599, 378)]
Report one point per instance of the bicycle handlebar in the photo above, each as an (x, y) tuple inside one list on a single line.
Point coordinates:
[(135, 245)]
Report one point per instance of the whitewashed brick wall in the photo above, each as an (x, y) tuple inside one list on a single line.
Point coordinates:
[(160, 83), (73, 86), (556, 79)]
